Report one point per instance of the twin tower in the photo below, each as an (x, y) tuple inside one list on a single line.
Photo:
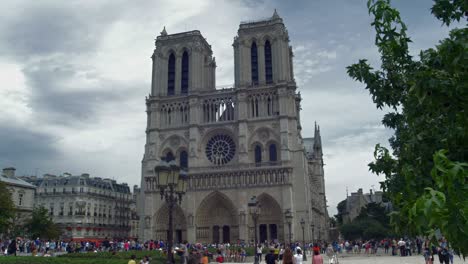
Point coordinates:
[(262, 56), (235, 142)]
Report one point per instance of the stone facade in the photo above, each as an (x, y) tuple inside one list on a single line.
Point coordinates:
[(358, 200), (22, 194), (236, 142), (85, 207), (134, 217)]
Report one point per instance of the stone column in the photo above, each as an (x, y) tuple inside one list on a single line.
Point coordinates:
[(221, 234)]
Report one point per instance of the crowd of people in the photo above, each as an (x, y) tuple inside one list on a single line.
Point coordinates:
[(205, 253)]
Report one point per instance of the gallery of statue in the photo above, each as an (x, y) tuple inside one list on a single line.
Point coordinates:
[(235, 142)]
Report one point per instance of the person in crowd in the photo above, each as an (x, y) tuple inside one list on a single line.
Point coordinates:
[(288, 257), (317, 258), (428, 257), (270, 257), (443, 252), (298, 256), (132, 260), (401, 245), (258, 252), (145, 260), (12, 248), (281, 253)]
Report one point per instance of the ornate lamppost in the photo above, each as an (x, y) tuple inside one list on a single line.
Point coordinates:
[(304, 257), (313, 235), (172, 184), (254, 210), (288, 215)]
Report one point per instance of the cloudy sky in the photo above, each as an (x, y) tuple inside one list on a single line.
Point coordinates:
[(74, 75)]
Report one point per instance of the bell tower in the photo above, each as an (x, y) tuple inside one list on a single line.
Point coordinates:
[(182, 64), (262, 54)]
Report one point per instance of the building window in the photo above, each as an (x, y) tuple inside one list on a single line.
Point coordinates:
[(20, 199), (185, 73), (81, 189), (183, 160), (268, 63), (171, 75), (254, 63), (258, 154), (273, 154), (169, 156), (51, 211)]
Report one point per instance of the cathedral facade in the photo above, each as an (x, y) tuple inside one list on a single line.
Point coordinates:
[(235, 142)]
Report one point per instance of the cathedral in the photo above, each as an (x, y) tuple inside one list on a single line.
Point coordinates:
[(235, 143)]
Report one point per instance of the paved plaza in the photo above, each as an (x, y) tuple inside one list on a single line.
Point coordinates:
[(379, 259)]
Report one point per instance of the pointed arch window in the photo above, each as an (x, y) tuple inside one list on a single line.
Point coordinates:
[(171, 75), (273, 154), (183, 160), (169, 157), (258, 154), (254, 63), (185, 73), (268, 63)]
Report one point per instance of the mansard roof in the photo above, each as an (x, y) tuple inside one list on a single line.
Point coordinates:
[(83, 180), (16, 181)]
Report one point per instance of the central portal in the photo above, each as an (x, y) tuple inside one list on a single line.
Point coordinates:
[(216, 220)]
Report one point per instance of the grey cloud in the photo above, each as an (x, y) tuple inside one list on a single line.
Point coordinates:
[(62, 93), (22, 147)]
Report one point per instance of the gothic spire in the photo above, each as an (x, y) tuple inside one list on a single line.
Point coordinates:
[(164, 32), (275, 15)]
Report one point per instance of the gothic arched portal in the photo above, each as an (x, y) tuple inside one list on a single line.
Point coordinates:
[(216, 220), (270, 222), (162, 224)]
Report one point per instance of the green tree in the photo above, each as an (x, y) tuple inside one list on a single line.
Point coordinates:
[(7, 209), (41, 225), (425, 175), (372, 222), (377, 212), (341, 211)]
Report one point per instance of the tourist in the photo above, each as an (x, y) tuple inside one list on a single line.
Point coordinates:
[(401, 245), (428, 257), (298, 257), (12, 247), (288, 257), (329, 251), (317, 258), (205, 258), (281, 253), (276, 252), (145, 260), (443, 252), (270, 258), (132, 260), (259, 252)]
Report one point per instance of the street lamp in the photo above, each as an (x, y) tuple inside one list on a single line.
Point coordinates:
[(254, 210), (288, 215), (303, 239), (313, 235), (172, 184)]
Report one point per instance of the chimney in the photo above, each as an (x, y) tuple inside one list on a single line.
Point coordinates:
[(9, 172)]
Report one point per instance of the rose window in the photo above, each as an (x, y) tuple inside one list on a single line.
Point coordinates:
[(220, 149)]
